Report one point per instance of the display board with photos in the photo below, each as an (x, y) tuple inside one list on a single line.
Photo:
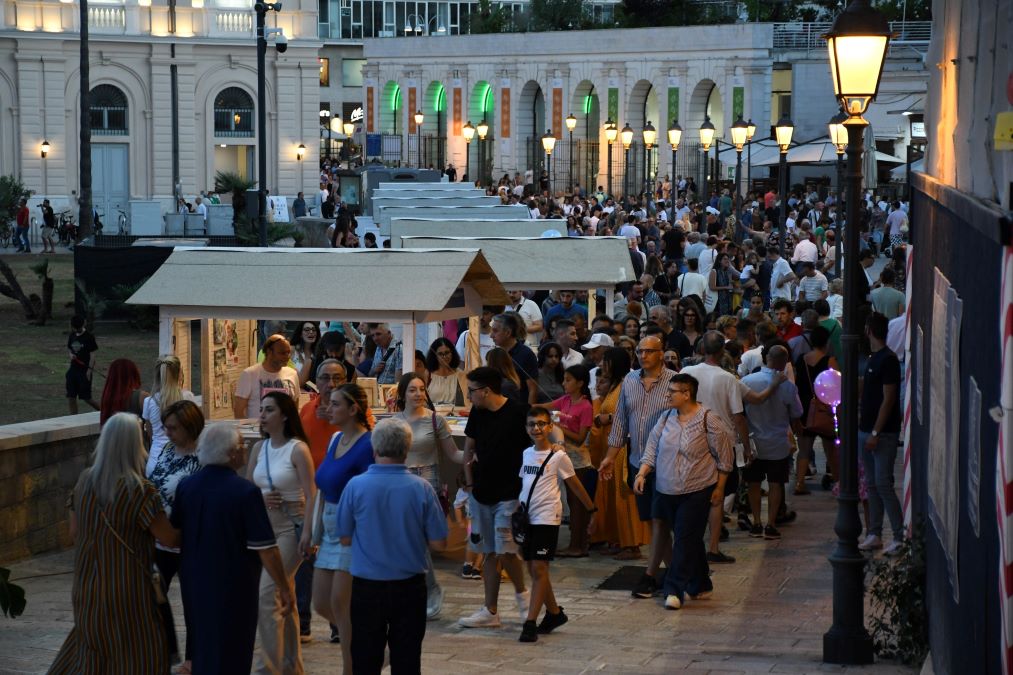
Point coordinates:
[(229, 346)]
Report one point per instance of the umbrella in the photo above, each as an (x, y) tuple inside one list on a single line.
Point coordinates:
[(818, 151), (899, 175)]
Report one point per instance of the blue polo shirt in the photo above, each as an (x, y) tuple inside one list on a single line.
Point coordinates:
[(391, 516)]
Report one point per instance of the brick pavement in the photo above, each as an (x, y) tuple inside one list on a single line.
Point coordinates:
[(768, 614)]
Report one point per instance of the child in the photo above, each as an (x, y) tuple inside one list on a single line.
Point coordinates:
[(545, 509), (575, 418), (472, 559)]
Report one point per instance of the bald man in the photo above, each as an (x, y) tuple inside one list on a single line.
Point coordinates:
[(770, 425)]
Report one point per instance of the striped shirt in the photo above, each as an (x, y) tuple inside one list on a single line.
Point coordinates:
[(687, 457), (638, 411)]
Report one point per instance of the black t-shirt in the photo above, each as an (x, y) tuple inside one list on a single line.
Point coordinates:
[(526, 365), (678, 341), (763, 278), (81, 346), (673, 244), (500, 440), (882, 368)]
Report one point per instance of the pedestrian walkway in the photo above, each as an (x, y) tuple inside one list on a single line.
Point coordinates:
[(767, 615)]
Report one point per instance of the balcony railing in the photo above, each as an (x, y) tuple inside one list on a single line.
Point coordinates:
[(808, 36), (233, 22), (107, 19)]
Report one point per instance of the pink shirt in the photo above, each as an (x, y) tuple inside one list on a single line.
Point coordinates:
[(572, 417)]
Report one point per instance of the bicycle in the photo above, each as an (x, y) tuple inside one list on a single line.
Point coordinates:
[(67, 229), (6, 234)]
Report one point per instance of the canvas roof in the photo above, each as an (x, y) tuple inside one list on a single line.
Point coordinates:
[(523, 263), (473, 227), (419, 185), (339, 284)]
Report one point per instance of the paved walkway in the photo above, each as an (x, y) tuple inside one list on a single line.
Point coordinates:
[(768, 614)]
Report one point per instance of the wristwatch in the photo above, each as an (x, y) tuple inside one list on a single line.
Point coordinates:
[(874, 433)]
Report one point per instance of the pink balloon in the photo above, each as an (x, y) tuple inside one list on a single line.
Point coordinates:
[(828, 387)]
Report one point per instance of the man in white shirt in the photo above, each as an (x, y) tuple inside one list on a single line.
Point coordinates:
[(708, 256), (201, 209), (274, 374), (565, 335), (813, 285), (692, 282), (681, 210), (789, 222), (631, 232), (805, 249), (781, 276), (532, 315)]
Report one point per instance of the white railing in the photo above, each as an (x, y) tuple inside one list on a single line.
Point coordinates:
[(107, 19), (233, 22), (808, 36)]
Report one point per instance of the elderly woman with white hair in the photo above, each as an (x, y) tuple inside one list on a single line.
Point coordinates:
[(227, 540), (389, 516)]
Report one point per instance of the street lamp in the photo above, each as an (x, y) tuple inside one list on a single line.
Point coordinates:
[(300, 152), (419, 119), (650, 136), (627, 138), (674, 137), (325, 121), (263, 33), (839, 137), (483, 131), (571, 124), (45, 149), (611, 132), (548, 143), (469, 133), (750, 132), (739, 132), (706, 138), (782, 133), (857, 44)]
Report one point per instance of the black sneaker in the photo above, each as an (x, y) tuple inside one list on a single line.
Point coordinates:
[(787, 517), (551, 622), (335, 638), (756, 530), (724, 536), (827, 482), (771, 532), (645, 587), (744, 523), (719, 558), (529, 633)]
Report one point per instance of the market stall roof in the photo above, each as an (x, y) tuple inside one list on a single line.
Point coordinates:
[(393, 285), (523, 263), (471, 227)]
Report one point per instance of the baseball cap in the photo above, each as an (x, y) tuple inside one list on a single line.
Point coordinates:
[(598, 340)]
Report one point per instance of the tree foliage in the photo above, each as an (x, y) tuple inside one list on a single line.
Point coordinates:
[(12, 190)]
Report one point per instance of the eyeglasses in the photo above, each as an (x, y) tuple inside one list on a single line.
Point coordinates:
[(337, 377), (641, 352), (474, 389), (444, 353), (537, 425)]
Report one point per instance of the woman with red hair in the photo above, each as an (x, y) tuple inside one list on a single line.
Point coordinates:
[(122, 392)]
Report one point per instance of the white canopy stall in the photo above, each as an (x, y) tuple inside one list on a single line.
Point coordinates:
[(375, 285), (471, 227)]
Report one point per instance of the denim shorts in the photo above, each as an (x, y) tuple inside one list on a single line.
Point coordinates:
[(490, 527), (430, 473), (333, 555)]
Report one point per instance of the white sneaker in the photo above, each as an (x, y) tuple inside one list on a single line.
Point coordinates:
[(893, 548), (483, 618), (673, 602), (872, 542), (434, 603), (523, 604)]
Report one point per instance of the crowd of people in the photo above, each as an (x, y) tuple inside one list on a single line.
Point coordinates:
[(653, 427)]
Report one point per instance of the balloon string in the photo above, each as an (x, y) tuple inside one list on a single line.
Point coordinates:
[(837, 435)]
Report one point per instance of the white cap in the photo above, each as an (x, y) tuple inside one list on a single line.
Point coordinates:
[(598, 340)]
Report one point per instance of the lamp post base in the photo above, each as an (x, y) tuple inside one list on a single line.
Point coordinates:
[(845, 648)]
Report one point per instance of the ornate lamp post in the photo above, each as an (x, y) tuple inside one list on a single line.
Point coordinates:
[(783, 132), (261, 9), (857, 44), (469, 133), (483, 131), (739, 131), (325, 120), (650, 137), (839, 137), (627, 137), (750, 132), (571, 124), (548, 143), (349, 129), (674, 136), (419, 119), (706, 138), (611, 132)]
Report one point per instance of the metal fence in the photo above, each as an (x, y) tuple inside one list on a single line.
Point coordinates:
[(808, 35), (570, 162)]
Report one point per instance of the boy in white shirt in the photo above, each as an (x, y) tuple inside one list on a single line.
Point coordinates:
[(543, 466)]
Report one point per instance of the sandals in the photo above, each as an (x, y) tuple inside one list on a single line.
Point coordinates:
[(629, 554)]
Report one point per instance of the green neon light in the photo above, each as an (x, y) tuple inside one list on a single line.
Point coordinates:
[(441, 99), (486, 98), (587, 104), (395, 98)]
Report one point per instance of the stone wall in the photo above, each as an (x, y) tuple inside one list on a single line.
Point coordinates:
[(39, 465)]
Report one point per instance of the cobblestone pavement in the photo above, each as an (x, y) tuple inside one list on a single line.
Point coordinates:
[(768, 614)]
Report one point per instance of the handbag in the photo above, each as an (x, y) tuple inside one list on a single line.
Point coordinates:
[(520, 521), (161, 600), (819, 419)]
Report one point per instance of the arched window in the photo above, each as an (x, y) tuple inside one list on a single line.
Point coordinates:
[(233, 113), (108, 106)]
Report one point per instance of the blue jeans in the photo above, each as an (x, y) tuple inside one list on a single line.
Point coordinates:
[(22, 239), (879, 483), (687, 516)]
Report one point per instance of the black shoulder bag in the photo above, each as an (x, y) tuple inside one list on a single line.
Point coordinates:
[(520, 521)]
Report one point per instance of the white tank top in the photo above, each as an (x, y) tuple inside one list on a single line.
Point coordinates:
[(283, 476)]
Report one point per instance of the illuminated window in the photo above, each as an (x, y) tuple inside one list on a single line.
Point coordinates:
[(325, 72), (233, 113)]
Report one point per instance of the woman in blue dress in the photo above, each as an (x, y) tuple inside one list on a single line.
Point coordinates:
[(349, 454)]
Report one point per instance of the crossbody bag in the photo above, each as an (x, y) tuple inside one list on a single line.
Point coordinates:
[(520, 521)]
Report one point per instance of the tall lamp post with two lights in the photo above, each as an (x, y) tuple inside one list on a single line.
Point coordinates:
[(857, 43), (611, 132), (548, 143), (650, 137), (674, 137), (839, 137), (571, 124), (627, 137), (750, 132), (483, 130), (783, 132), (706, 138), (469, 133), (739, 132), (281, 43)]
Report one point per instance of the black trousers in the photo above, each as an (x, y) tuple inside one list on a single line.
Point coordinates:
[(388, 613), (168, 566)]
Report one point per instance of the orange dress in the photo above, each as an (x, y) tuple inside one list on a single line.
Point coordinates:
[(616, 521)]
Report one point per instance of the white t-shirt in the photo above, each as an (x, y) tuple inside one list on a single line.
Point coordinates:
[(629, 231), (546, 506), (692, 283), (805, 251), (485, 343), (529, 311), (572, 358), (718, 390), (895, 221), (781, 269), (706, 261), (255, 382)]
